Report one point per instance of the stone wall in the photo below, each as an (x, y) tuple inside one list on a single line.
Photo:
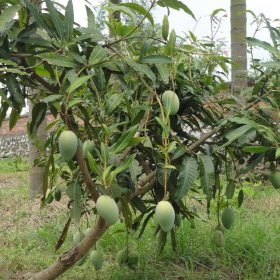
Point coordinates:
[(15, 142), (13, 145)]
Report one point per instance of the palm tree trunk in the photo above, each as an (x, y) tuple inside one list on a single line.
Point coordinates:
[(238, 46)]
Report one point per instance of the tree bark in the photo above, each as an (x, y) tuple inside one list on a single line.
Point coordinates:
[(36, 173), (238, 46)]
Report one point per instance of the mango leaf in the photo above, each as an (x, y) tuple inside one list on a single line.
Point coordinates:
[(277, 153), (176, 5), (69, 21), (90, 18), (252, 163), (113, 102), (140, 10), (58, 60), (14, 116), (3, 111), (235, 134), (74, 191), (77, 83), (187, 175), (93, 164), (57, 21), (37, 16), (124, 10), (124, 141), (97, 55), (126, 212), (156, 59), (207, 173), (256, 149), (165, 28), (264, 45), (170, 46), (142, 69), (38, 114), (123, 166), (52, 98), (7, 16), (163, 72)]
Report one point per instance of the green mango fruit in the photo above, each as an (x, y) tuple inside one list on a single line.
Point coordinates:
[(218, 238), (97, 259), (171, 102), (108, 209), (77, 237), (88, 146), (165, 215), (228, 218), (68, 144), (275, 180)]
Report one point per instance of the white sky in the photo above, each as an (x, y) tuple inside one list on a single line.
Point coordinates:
[(181, 22)]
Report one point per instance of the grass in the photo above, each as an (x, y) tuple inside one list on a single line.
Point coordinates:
[(29, 234)]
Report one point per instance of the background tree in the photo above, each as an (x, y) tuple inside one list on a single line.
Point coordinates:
[(238, 45), (36, 144)]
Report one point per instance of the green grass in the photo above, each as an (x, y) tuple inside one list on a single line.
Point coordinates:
[(251, 251)]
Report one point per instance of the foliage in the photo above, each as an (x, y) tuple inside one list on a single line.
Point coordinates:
[(108, 89)]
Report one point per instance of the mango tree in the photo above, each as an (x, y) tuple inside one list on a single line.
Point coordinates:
[(141, 121)]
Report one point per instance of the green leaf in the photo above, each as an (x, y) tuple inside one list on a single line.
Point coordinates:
[(235, 134), (170, 46), (264, 45), (38, 16), (187, 175), (97, 55), (156, 59), (52, 98), (125, 10), (93, 164), (165, 27), (7, 16), (140, 10), (69, 21), (77, 83), (90, 18), (124, 165), (207, 173), (277, 153), (177, 5), (38, 114), (57, 21), (74, 191), (163, 72), (256, 149), (142, 69), (113, 102), (14, 116), (58, 60), (124, 141), (215, 12)]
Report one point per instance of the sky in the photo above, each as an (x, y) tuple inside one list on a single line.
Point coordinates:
[(182, 22)]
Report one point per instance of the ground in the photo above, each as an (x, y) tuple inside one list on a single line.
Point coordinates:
[(29, 235)]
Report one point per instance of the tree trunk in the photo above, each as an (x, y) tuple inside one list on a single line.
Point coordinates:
[(36, 173), (238, 46)]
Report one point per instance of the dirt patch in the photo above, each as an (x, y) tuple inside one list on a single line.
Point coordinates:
[(10, 180)]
